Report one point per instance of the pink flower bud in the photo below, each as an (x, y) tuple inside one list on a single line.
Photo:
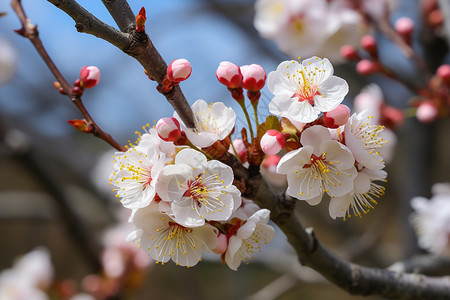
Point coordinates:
[(240, 149), (270, 162), (229, 75), (367, 67), (254, 77), (222, 244), (89, 76), (404, 26), (168, 129), (337, 117), (272, 142), (179, 70), (349, 53), (427, 112), (369, 43), (443, 72)]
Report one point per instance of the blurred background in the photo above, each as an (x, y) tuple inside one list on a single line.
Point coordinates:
[(54, 188)]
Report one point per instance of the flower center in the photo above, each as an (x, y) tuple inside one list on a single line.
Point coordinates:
[(196, 190), (306, 88)]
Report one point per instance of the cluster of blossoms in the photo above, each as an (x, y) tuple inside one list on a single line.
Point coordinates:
[(185, 200), (292, 24)]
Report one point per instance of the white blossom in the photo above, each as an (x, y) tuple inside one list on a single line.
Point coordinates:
[(136, 171), (364, 140), (362, 198), (304, 90), (248, 239), (212, 123), (164, 239), (198, 189), (321, 166), (431, 219)]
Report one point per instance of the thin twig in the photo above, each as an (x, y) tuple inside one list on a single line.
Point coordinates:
[(121, 13), (135, 44), (30, 31)]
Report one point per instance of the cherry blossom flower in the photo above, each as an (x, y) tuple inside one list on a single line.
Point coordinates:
[(248, 239), (304, 90), (322, 165), (431, 219), (198, 189), (212, 123), (164, 239), (371, 100), (29, 277), (292, 25), (136, 171), (362, 198), (364, 141)]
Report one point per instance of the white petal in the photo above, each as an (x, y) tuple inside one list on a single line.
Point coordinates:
[(337, 153), (332, 93), (339, 205), (296, 158), (314, 136)]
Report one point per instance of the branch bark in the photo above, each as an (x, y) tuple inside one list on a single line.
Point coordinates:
[(30, 31), (353, 278), (136, 44)]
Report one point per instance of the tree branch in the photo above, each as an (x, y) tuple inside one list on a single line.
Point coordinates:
[(135, 44), (87, 23), (121, 13), (353, 278), (30, 31)]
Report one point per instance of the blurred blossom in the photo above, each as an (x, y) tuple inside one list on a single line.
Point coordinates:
[(8, 61), (30, 276), (431, 219), (293, 25)]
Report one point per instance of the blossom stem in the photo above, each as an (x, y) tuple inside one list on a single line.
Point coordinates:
[(244, 109), (188, 143), (255, 110)]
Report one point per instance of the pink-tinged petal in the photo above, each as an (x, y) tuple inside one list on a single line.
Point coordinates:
[(314, 136)]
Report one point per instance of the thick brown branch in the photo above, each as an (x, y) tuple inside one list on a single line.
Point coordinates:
[(351, 277), (121, 13), (88, 23), (135, 44)]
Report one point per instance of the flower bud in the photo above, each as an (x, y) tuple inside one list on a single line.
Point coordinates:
[(81, 125), (89, 76), (349, 53), (272, 142), (254, 77), (404, 26), (369, 43), (337, 117), (367, 67), (179, 70), (140, 20), (443, 72), (222, 244), (240, 149), (427, 112), (229, 75), (168, 129)]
